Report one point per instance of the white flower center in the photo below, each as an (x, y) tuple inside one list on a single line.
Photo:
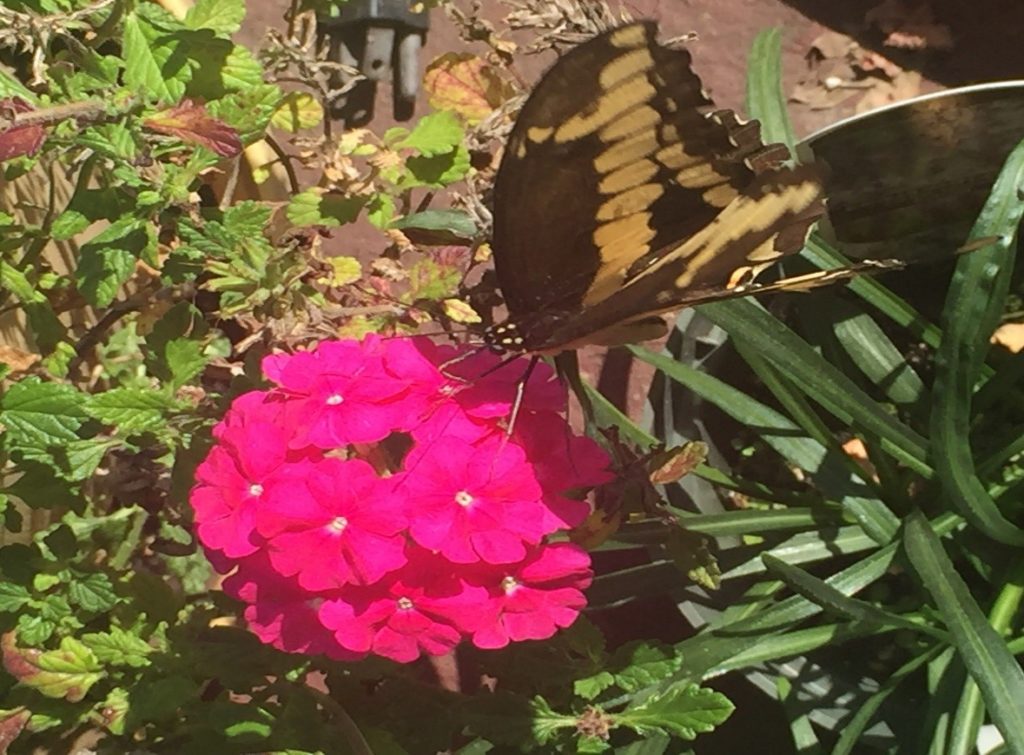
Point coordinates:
[(338, 525), (255, 490), (404, 604), (463, 498), (334, 399), (509, 585)]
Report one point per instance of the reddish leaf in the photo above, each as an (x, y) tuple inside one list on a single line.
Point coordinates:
[(189, 121), (67, 672), (466, 85), (11, 724), (18, 141)]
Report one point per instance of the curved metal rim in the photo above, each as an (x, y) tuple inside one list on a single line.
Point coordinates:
[(1010, 84)]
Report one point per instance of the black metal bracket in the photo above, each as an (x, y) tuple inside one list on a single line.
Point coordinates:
[(382, 39)]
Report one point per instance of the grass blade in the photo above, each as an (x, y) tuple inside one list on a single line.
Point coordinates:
[(973, 305), (990, 663)]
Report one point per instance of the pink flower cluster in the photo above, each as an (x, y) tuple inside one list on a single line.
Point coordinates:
[(373, 503)]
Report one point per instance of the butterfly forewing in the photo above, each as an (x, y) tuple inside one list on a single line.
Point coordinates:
[(622, 194)]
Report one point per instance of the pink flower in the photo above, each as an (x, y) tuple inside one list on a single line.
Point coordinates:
[(486, 388), (252, 454), (531, 600), (473, 503), (281, 613), (346, 394), (416, 610), (342, 525)]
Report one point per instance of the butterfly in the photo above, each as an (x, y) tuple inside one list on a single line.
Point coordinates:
[(623, 194)]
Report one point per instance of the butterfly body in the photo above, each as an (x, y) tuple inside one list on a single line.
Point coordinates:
[(622, 194)]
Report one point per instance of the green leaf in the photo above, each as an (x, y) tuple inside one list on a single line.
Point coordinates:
[(68, 224), (590, 687), (974, 303), (989, 662), (828, 467), (161, 699), (297, 111), (313, 207), (93, 592), (821, 381), (113, 140), (221, 16), (380, 210), (46, 328), (145, 60), (186, 359), (119, 648), (40, 488), (455, 222), (65, 673), (436, 171), (834, 601), (131, 410), (80, 458), (42, 414), (248, 111), (765, 100), (684, 710), (435, 134), (108, 260), (13, 597), (643, 664)]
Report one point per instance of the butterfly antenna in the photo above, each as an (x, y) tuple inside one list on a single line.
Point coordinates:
[(517, 404)]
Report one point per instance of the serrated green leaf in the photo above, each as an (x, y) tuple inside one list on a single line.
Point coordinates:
[(131, 410), (114, 140), (313, 207), (113, 711), (247, 219), (145, 61), (40, 488), (42, 414), (344, 270), (683, 711), (642, 664), (80, 458), (108, 260), (436, 171), (160, 700), (590, 687), (297, 111), (119, 648), (68, 224), (34, 630), (68, 672), (380, 210), (221, 16), (13, 597), (186, 359), (435, 134), (93, 592)]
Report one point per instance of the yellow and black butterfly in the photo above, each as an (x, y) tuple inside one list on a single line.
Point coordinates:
[(622, 194)]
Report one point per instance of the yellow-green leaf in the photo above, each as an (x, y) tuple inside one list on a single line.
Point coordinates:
[(459, 311), (298, 110), (465, 84), (344, 270)]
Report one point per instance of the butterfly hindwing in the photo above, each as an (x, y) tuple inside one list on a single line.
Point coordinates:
[(621, 193)]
